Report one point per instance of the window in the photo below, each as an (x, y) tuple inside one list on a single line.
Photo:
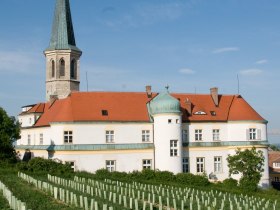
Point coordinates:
[(109, 136), (28, 139), (73, 69), (173, 148), (252, 133), (145, 135), (185, 165), (276, 179), (62, 68), (169, 121), (30, 120), (276, 165), (104, 112), (41, 138), (177, 121), (68, 137), (111, 165), (53, 69), (147, 164), (213, 113), (216, 134), (200, 113), (198, 134), (218, 164), (200, 164), (185, 136), (71, 163)]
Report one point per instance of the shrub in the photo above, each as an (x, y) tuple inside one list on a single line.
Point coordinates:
[(38, 164), (230, 183), (192, 180), (164, 176), (102, 174)]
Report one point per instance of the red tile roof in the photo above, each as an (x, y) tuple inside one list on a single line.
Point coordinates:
[(273, 157), (132, 107)]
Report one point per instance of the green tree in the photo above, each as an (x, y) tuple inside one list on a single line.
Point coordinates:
[(9, 132), (249, 163)]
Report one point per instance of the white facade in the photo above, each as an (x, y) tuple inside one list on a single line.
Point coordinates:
[(130, 156)]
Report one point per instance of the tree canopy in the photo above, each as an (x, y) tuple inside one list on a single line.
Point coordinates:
[(249, 163), (9, 132)]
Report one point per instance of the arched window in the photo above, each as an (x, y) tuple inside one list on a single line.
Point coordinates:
[(73, 71), (62, 68), (53, 69)]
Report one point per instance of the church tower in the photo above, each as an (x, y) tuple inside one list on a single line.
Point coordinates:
[(62, 55)]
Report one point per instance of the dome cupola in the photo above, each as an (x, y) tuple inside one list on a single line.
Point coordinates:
[(164, 103)]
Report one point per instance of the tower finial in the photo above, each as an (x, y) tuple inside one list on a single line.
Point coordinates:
[(62, 37), (167, 88)]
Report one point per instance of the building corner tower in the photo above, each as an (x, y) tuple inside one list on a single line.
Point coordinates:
[(62, 55), (167, 116)]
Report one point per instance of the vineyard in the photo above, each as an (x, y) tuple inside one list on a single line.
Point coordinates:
[(26, 191)]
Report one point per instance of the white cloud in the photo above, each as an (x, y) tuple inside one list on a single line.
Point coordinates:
[(186, 71), (251, 72), (18, 61), (263, 61), (225, 49)]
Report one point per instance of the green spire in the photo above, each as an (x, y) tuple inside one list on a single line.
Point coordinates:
[(62, 37)]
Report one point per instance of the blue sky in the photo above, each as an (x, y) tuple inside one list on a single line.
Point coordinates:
[(191, 45)]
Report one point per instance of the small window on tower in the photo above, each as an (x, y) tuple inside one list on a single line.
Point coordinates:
[(73, 70), (53, 69), (169, 121), (104, 112), (62, 68)]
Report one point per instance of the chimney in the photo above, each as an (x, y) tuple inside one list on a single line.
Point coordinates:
[(188, 106), (214, 95), (149, 91)]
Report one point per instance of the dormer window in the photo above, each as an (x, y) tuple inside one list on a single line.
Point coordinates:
[(213, 113), (104, 112), (200, 113)]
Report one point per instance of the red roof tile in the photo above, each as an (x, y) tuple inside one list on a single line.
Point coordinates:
[(127, 106)]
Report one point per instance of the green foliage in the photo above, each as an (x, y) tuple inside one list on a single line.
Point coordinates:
[(9, 132), (274, 147), (249, 163), (189, 179), (42, 165), (230, 183), (164, 176)]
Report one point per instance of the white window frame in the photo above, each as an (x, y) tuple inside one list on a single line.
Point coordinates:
[(146, 164), (216, 134), (276, 165), (198, 134), (145, 135), (185, 135), (110, 165), (252, 134), (185, 163), (173, 148), (68, 137), (41, 138), (200, 164), (110, 136), (218, 166)]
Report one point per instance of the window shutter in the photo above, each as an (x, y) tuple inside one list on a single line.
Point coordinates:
[(247, 134), (259, 134)]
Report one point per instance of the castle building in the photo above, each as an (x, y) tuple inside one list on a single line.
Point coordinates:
[(126, 131)]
